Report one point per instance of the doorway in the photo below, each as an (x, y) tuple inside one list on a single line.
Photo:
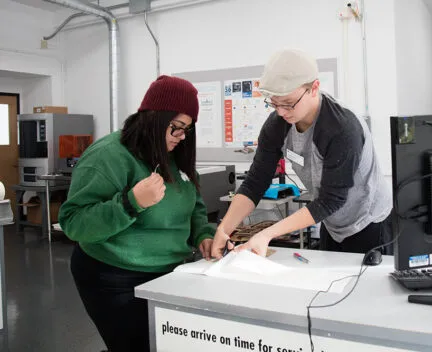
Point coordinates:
[(9, 109)]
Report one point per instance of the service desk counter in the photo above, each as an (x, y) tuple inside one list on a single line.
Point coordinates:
[(190, 312)]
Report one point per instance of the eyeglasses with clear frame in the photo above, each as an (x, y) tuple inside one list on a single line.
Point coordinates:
[(177, 131), (285, 106)]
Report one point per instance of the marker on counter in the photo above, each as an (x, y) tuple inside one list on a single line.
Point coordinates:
[(301, 258)]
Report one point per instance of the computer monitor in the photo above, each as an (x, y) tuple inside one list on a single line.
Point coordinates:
[(411, 147)]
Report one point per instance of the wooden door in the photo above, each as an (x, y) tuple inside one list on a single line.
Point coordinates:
[(9, 107)]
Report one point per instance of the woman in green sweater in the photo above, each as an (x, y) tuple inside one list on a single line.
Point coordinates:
[(135, 210)]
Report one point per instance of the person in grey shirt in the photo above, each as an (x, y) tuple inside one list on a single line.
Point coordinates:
[(331, 151)]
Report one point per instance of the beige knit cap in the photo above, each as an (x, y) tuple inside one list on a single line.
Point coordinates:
[(286, 71)]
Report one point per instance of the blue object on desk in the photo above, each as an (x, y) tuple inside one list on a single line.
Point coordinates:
[(277, 191)]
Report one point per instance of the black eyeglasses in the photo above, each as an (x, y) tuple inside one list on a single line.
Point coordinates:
[(285, 106), (180, 131)]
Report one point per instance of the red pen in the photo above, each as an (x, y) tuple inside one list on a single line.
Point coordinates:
[(301, 258)]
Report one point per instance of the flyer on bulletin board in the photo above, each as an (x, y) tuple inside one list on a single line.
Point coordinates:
[(209, 123), (244, 112)]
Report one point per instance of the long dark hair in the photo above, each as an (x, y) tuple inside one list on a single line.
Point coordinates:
[(144, 135)]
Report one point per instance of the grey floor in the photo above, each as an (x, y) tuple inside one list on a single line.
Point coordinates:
[(44, 311)]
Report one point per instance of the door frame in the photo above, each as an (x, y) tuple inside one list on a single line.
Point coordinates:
[(4, 331), (17, 96)]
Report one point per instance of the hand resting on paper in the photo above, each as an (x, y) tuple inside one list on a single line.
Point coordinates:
[(205, 248), (258, 244)]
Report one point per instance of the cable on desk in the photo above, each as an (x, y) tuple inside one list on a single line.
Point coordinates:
[(332, 304), (418, 211), (309, 306)]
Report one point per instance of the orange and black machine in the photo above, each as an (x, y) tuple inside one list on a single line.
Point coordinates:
[(51, 144)]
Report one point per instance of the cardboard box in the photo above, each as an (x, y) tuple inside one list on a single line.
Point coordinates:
[(34, 210), (50, 109)]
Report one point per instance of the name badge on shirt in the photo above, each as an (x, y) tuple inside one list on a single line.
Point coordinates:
[(184, 176), (298, 159)]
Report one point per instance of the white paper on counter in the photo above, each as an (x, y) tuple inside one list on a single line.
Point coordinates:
[(247, 266)]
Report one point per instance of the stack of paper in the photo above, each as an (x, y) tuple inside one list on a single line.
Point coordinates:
[(247, 266)]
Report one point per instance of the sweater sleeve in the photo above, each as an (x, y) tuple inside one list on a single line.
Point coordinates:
[(268, 153), (341, 162), (94, 210), (200, 228)]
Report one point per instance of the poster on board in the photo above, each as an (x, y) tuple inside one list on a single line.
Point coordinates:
[(208, 127), (244, 112)]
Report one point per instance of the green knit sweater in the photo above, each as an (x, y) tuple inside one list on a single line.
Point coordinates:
[(93, 215)]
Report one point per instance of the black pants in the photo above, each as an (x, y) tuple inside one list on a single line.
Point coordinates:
[(108, 296), (371, 236)]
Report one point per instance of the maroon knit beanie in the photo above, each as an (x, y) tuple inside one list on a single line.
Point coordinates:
[(172, 94)]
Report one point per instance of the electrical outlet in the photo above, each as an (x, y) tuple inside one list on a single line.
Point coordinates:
[(44, 44)]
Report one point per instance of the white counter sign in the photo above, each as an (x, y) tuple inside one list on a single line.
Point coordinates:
[(180, 331)]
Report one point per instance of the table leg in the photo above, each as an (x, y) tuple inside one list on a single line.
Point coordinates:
[(44, 226), (309, 237), (19, 211), (301, 232), (48, 213)]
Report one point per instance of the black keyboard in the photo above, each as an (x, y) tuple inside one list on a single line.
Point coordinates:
[(414, 279)]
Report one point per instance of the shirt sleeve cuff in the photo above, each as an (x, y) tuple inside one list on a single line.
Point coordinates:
[(202, 238), (134, 203)]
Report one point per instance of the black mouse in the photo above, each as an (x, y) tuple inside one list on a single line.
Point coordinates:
[(373, 258)]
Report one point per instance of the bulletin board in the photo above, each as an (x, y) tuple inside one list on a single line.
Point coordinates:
[(232, 110)]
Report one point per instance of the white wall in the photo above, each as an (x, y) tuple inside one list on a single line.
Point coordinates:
[(235, 33), (23, 26), (413, 57), (381, 64), (87, 75), (210, 36), (36, 92), (225, 34), (33, 91), (21, 30), (11, 85)]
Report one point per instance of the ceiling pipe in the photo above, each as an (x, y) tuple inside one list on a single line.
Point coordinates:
[(365, 67), (81, 14), (155, 7), (113, 27), (67, 20), (157, 46)]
